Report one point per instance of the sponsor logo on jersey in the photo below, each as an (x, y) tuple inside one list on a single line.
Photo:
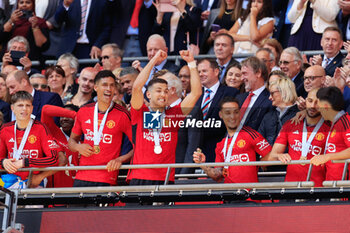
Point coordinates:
[(163, 137), (110, 124), (296, 132), (241, 143), (320, 136), (240, 158), (52, 144), (32, 139), (262, 144), (333, 133), (331, 148), (314, 150), (33, 154), (11, 140), (88, 121), (347, 136), (107, 138)]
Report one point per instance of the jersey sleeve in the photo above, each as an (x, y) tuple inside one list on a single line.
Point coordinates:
[(282, 137), (50, 148), (127, 125), (77, 129), (262, 147)]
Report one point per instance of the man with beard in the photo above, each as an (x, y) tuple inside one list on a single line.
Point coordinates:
[(86, 87), (304, 140), (240, 145)]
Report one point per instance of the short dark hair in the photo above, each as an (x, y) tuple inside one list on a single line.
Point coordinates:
[(154, 81), (227, 36), (74, 107), (213, 63), (104, 74), (56, 68), (333, 96), (334, 29), (228, 99), (257, 66), (21, 95), (128, 70)]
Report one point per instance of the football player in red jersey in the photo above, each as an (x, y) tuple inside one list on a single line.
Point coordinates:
[(103, 124), (158, 146), (26, 142), (304, 140), (331, 105), (239, 145)]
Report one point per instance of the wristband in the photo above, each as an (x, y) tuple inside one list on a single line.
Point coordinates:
[(192, 64)]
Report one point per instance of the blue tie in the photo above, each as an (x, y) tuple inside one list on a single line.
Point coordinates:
[(207, 100)]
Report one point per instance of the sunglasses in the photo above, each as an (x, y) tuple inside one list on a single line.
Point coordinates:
[(43, 86), (104, 57)]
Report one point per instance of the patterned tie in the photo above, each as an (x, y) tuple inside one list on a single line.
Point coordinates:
[(327, 61), (222, 73), (83, 15), (205, 107), (246, 104)]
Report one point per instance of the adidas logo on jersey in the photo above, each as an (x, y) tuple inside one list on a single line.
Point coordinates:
[(11, 140), (296, 132), (88, 121)]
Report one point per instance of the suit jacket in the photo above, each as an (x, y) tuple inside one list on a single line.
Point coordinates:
[(299, 84), (336, 62), (42, 98), (198, 4), (206, 138), (280, 9), (170, 66), (6, 111), (97, 27), (342, 21), (122, 12), (261, 107), (190, 23)]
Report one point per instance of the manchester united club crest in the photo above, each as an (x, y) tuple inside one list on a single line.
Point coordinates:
[(110, 124), (333, 133), (32, 139), (241, 143), (320, 137)]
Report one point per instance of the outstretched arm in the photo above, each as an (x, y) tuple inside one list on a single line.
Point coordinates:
[(137, 94), (212, 172)]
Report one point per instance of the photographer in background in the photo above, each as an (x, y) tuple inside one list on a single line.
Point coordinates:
[(17, 55), (23, 22)]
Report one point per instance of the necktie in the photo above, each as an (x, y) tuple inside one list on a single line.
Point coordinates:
[(83, 16), (222, 73), (205, 5), (327, 61), (134, 22), (205, 107), (246, 104)]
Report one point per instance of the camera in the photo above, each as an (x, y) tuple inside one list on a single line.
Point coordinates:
[(27, 14)]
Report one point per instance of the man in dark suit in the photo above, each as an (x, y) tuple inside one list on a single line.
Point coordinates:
[(155, 43), (284, 26), (86, 27), (291, 63), (224, 46), (343, 18), (19, 81), (132, 23), (255, 102), (207, 109)]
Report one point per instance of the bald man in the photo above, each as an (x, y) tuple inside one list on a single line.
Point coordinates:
[(156, 42)]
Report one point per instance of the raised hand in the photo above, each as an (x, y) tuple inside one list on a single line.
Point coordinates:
[(187, 55)]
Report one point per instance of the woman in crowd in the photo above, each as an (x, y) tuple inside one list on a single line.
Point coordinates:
[(4, 93), (179, 28), (310, 18), (275, 47), (283, 96), (23, 22), (233, 77), (253, 27), (224, 17), (56, 79)]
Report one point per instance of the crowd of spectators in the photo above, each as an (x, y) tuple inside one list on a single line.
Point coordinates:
[(270, 86)]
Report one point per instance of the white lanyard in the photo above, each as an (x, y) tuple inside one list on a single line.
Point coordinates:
[(17, 153), (336, 118), (227, 156), (307, 143), (156, 134), (98, 131)]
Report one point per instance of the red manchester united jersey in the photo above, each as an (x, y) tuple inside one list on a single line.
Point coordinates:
[(291, 136), (40, 149), (144, 145), (248, 143), (339, 140), (117, 123)]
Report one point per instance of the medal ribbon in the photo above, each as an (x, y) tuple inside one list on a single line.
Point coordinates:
[(18, 152), (307, 143), (98, 131), (227, 156), (156, 132), (336, 118)]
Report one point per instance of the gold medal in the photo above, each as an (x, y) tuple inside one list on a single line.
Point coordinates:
[(97, 149)]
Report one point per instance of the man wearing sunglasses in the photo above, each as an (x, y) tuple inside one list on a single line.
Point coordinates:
[(39, 82), (111, 57)]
